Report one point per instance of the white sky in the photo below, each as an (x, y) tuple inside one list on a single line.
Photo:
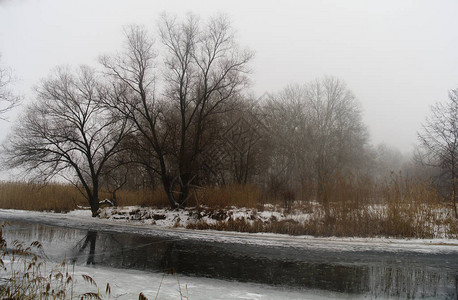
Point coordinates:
[(398, 57)]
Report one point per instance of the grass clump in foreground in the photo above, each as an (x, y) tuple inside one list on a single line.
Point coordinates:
[(23, 275)]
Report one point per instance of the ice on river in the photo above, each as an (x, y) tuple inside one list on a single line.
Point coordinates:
[(129, 283)]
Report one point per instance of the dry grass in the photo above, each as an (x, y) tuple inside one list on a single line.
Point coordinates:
[(210, 196), (25, 276), (398, 207), (333, 222), (145, 198), (34, 196), (64, 197)]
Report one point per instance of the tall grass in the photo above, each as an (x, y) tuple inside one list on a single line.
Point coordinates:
[(64, 197), (33, 196), (397, 207), (145, 198), (59, 197)]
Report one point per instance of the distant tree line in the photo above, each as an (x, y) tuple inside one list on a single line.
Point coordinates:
[(174, 111)]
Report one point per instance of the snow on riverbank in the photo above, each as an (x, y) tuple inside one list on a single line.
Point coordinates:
[(167, 218), (305, 218), (165, 227)]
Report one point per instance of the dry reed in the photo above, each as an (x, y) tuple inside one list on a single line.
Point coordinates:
[(145, 198), (25, 276), (397, 207), (33, 196)]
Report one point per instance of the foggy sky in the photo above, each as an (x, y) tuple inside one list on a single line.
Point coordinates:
[(398, 57)]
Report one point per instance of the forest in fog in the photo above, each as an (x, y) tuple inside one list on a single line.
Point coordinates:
[(228, 149), (172, 109)]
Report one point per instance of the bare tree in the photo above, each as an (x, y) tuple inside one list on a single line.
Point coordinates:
[(67, 132), (318, 133), (388, 160), (203, 71), (287, 116), (439, 142), (339, 134), (133, 95), (8, 99), (241, 154)]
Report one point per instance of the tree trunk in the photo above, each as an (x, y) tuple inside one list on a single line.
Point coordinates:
[(322, 194), (454, 197), (168, 191), (177, 190), (94, 200), (184, 195), (94, 203)]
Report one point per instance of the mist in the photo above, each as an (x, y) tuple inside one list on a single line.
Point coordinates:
[(397, 57)]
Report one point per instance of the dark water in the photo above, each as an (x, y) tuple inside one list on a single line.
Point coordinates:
[(367, 273)]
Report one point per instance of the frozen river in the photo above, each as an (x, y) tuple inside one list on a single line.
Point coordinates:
[(357, 271)]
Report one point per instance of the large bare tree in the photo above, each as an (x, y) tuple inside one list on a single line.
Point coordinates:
[(439, 142), (8, 99), (67, 132), (175, 107)]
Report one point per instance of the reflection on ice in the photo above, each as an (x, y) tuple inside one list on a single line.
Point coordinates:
[(364, 273), (89, 239), (420, 282)]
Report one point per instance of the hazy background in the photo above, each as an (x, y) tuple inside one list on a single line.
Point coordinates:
[(398, 57)]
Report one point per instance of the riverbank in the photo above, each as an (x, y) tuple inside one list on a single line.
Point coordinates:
[(310, 218), (416, 212), (81, 219)]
